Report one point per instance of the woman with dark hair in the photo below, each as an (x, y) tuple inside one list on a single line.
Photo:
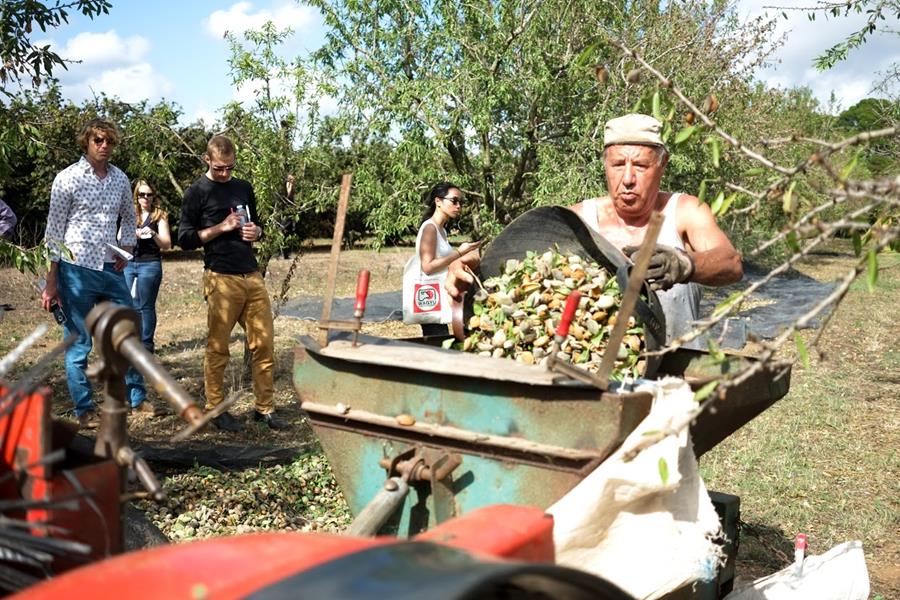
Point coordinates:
[(143, 275), (442, 203)]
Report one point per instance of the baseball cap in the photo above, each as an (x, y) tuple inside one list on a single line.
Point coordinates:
[(633, 129)]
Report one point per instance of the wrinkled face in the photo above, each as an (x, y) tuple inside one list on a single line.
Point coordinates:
[(99, 146), (633, 174), (145, 197), (220, 167)]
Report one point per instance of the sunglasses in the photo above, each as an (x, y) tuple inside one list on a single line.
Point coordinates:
[(99, 141), (455, 200), (225, 169)]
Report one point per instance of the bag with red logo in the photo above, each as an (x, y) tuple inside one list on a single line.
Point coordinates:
[(424, 297)]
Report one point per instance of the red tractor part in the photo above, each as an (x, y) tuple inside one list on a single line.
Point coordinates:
[(484, 554)]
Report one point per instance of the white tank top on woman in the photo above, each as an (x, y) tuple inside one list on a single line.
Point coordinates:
[(681, 303), (443, 247)]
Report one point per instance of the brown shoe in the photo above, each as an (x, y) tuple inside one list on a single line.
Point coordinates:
[(88, 420), (147, 408)]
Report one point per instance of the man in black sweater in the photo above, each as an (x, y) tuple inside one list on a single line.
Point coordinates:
[(217, 214)]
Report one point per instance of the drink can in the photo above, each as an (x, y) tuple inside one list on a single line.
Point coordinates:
[(243, 212)]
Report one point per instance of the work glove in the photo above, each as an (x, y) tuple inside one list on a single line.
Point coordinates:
[(667, 266)]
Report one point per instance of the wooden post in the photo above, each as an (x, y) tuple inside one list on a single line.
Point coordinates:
[(335, 254)]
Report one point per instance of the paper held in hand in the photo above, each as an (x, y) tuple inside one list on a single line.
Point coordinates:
[(116, 251)]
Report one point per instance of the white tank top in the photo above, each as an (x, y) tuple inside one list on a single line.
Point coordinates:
[(443, 247), (681, 303)]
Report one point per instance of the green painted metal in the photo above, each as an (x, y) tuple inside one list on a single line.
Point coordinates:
[(574, 417)]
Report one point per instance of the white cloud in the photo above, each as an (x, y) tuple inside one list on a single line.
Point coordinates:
[(105, 48), (109, 64), (850, 80), (239, 18), (207, 116), (131, 83)]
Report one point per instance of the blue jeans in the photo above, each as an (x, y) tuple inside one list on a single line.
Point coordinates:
[(80, 290), (149, 277)]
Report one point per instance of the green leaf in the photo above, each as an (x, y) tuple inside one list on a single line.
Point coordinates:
[(727, 303), (477, 308), (714, 352), (663, 471), (872, 273), (787, 200), (717, 203), (793, 242), (685, 134), (801, 350), (705, 391), (715, 151), (446, 344), (848, 168), (657, 112), (587, 55), (726, 204), (701, 196), (857, 243)]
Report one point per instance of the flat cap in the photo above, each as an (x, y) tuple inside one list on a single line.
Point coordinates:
[(633, 129)]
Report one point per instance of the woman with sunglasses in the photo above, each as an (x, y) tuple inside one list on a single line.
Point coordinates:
[(442, 203), (144, 274)]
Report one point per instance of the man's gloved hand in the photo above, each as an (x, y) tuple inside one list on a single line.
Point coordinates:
[(667, 267)]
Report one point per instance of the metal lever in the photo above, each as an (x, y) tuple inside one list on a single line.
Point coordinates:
[(126, 457), (386, 501), (362, 291), (562, 331), (204, 419)]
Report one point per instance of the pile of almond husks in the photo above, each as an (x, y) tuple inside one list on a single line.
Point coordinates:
[(516, 314)]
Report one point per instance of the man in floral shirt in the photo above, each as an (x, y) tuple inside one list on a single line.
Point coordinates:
[(86, 201)]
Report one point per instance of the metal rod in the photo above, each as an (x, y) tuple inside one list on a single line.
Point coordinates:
[(10, 359), (380, 508), (142, 360), (452, 433), (335, 254), (629, 300)]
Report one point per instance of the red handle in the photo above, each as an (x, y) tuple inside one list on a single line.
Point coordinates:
[(562, 330), (362, 290)]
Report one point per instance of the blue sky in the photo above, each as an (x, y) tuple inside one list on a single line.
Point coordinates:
[(174, 50), (152, 49)]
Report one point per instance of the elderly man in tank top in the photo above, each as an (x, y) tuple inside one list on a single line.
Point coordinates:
[(690, 249)]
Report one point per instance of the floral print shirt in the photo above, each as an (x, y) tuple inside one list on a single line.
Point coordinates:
[(84, 213)]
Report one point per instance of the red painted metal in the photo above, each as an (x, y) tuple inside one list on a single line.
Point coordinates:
[(233, 567), (221, 568), (502, 530), (28, 435), (362, 291)]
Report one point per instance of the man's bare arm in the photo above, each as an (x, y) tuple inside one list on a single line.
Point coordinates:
[(716, 261)]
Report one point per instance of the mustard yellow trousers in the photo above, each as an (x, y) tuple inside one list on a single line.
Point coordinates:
[(240, 299)]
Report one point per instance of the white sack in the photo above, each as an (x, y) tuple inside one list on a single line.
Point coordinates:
[(839, 574), (625, 525)]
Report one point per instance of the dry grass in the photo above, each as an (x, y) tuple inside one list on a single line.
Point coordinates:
[(823, 460)]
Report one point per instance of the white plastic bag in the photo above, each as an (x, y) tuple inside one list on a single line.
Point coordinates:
[(839, 574), (424, 298), (627, 525)]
